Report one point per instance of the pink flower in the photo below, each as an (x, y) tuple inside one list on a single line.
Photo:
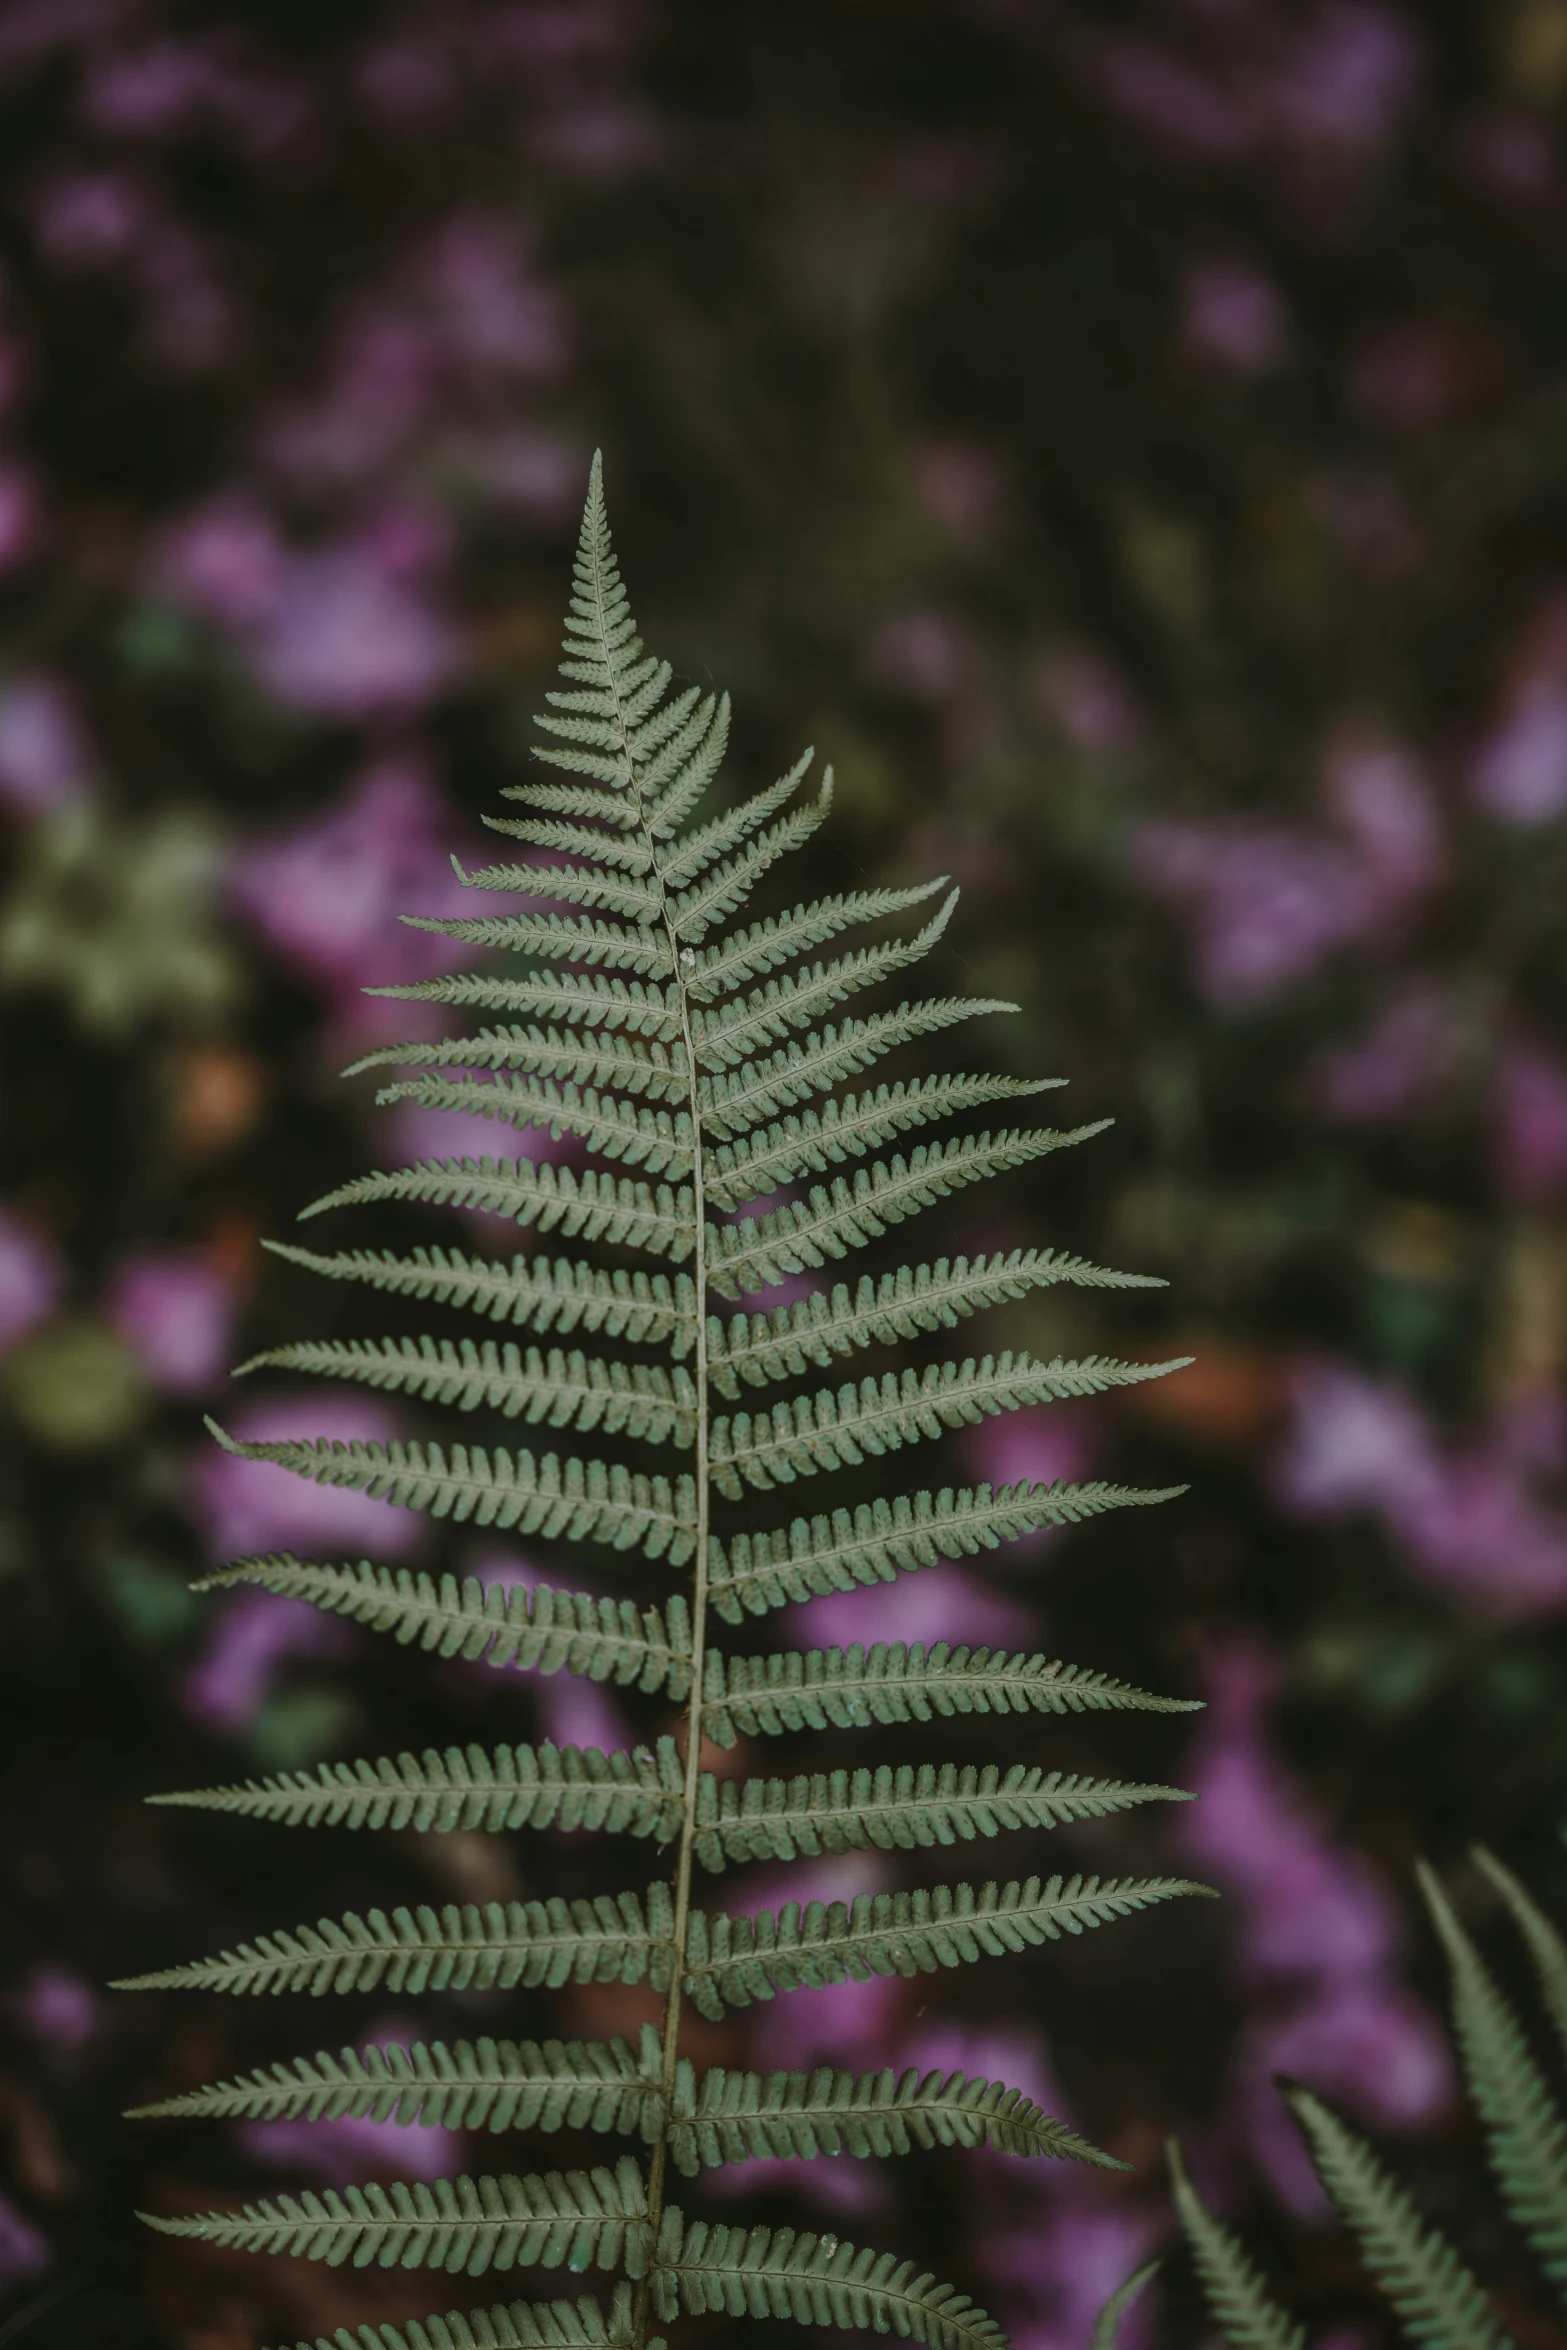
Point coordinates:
[(91, 217), (252, 1635), (1384, 1071), (1380, 799), (577, 1712), (379, 393), (1529, 1133), (58, 2008), (20, 515), (1520, 771), (473, 281), (1159, 92), (1348, 78), (1265, 904), (835, 2183), (43, 759), (1232, 314), (31, 1279), (173, 1309), (943, 1602), (1091, 702), (248, 1506), (225, 561), (344, 640), (339, 2152), (1356, 1444)]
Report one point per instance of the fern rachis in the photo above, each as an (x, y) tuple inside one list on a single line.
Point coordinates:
[(695, 1065)]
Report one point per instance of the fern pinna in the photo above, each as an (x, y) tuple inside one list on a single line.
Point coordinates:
[(670, 1042)]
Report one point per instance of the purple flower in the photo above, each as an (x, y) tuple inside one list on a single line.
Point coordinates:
[(943, 1602), (224, 561), (337, 2153), (1066, 2266), (841, 2024), (1356, 1444), (576, 1712), (20, 515), (1379, 797), (253, 1634), (249, 1506), (1348, 77), (173, 1308), (1159, 92), (379, 394), (491, 315), (1265, 903), (1232, 314), (25, 2252), (43, 759), (1520, 771), (920, 653), (345, 640), (31, 1279), (1406, 1048), (1529, 1129), (836, 2183), (959, 483), (1090, 702), (57, 2007), (91, 217), (1369, 2044)]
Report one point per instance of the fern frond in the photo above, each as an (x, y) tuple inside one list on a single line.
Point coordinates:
[(1436, 2296), (565, 838), (554, 1390), (565, 937), (677, 775), (1232, 2286), (813, 1141), (745, 955), (539, 1630), (816, 2280), (631, 1793), (735, 1101), (615, 1129), (835, 1428), (1107, 2325), (851, 1688), (456, 1948), (761, 1251), (589, 1206), (594, 1060), (521, 2325), (551, 1293), (1526, 2136), (583, 1501), (746, 2117), (682, 861), (721, 890), (1544, 1944), (732, 1961), (879, 1540), (732, 1032), (607, 2086), (757, 1349), (574, 2219), (614, 808), (587, 999)]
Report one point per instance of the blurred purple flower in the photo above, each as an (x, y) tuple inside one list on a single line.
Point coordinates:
[(1507, 157), (43, 758), (1159, 92), (943, 1602), (249, 1506), (31, 1279), (1047, 1446), (20, 515), (1474, 1528), (1348, 77), (1529, 1124), (1232, 314), (147, 92), (25, 2251), (1265, 904), (920, 653), (959, 483), (173, 1308), (1066, 2266), (537, 474), (1090, 702), (347, 640), (1379, 797), (1520, 771), (91, 217), (326, 895), (836, 2183), (576, 1712), (251, 1636), (1355, 1443), (57, 2007), (1384, 1071), (473, 280), (1368, 2044), (224, 561), (843, 2023), (339, 2153)]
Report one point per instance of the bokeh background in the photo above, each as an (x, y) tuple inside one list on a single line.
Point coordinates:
[(1131, 442)]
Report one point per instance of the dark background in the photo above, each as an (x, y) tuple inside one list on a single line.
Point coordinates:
[(1130, 443)]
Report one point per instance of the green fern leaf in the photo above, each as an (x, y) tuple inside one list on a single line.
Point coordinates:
[(896, 1808), (581, 999), (682, 861), (880, 1540), (1526, 2136), (590, 1206), (733, 1961), (1439, 2301), (720, 892), (550, 1293), (835, 1428), (1245, 2316), (460, 1946), (467, 2226), (522, 2325), (597, 1060), (812, 1141), (615, 1129), (1107, 2325), (746, 955), (732, 1032), (565, 937), (756, 1349), (584, 1501), (539, 1630), (473, 1787), (555, 1390), (816, 2280), (636, 901), (736, 1101), (852, 1688), (1544, 1944), (607, 2086), (746, 2117), (761, 1251), (567, 839)]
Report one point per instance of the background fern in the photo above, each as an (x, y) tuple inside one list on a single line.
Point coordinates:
[(694, 1058)]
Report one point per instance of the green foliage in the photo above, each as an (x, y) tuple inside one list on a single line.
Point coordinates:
[(1439, 2301), (695, 1065), (1107, 2325)]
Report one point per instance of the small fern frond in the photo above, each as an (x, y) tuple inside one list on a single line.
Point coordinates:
[(546, 1294), (1235, 2292), (682, 861), (635, 901), (539, 1630), (617, 1130), (733, 1961), (1436, 2296), (1107, 2325), (816, 2280), (756, 1349), (580, 999), (720, 891), (853, 1688), (584, 1501), (835, 1428), (589, 1206), (607, 2086), (756, 2117), (606, 1940), (893, 1808), (470, 1788), (739, 1100), (564, 938), (521, 2325), (728, 1034), (879, 1540), (1545, 1946), (1526, 2136), (575, 2219), (812, 1141), (654, 1069), (554, 1390), (745, 955)]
